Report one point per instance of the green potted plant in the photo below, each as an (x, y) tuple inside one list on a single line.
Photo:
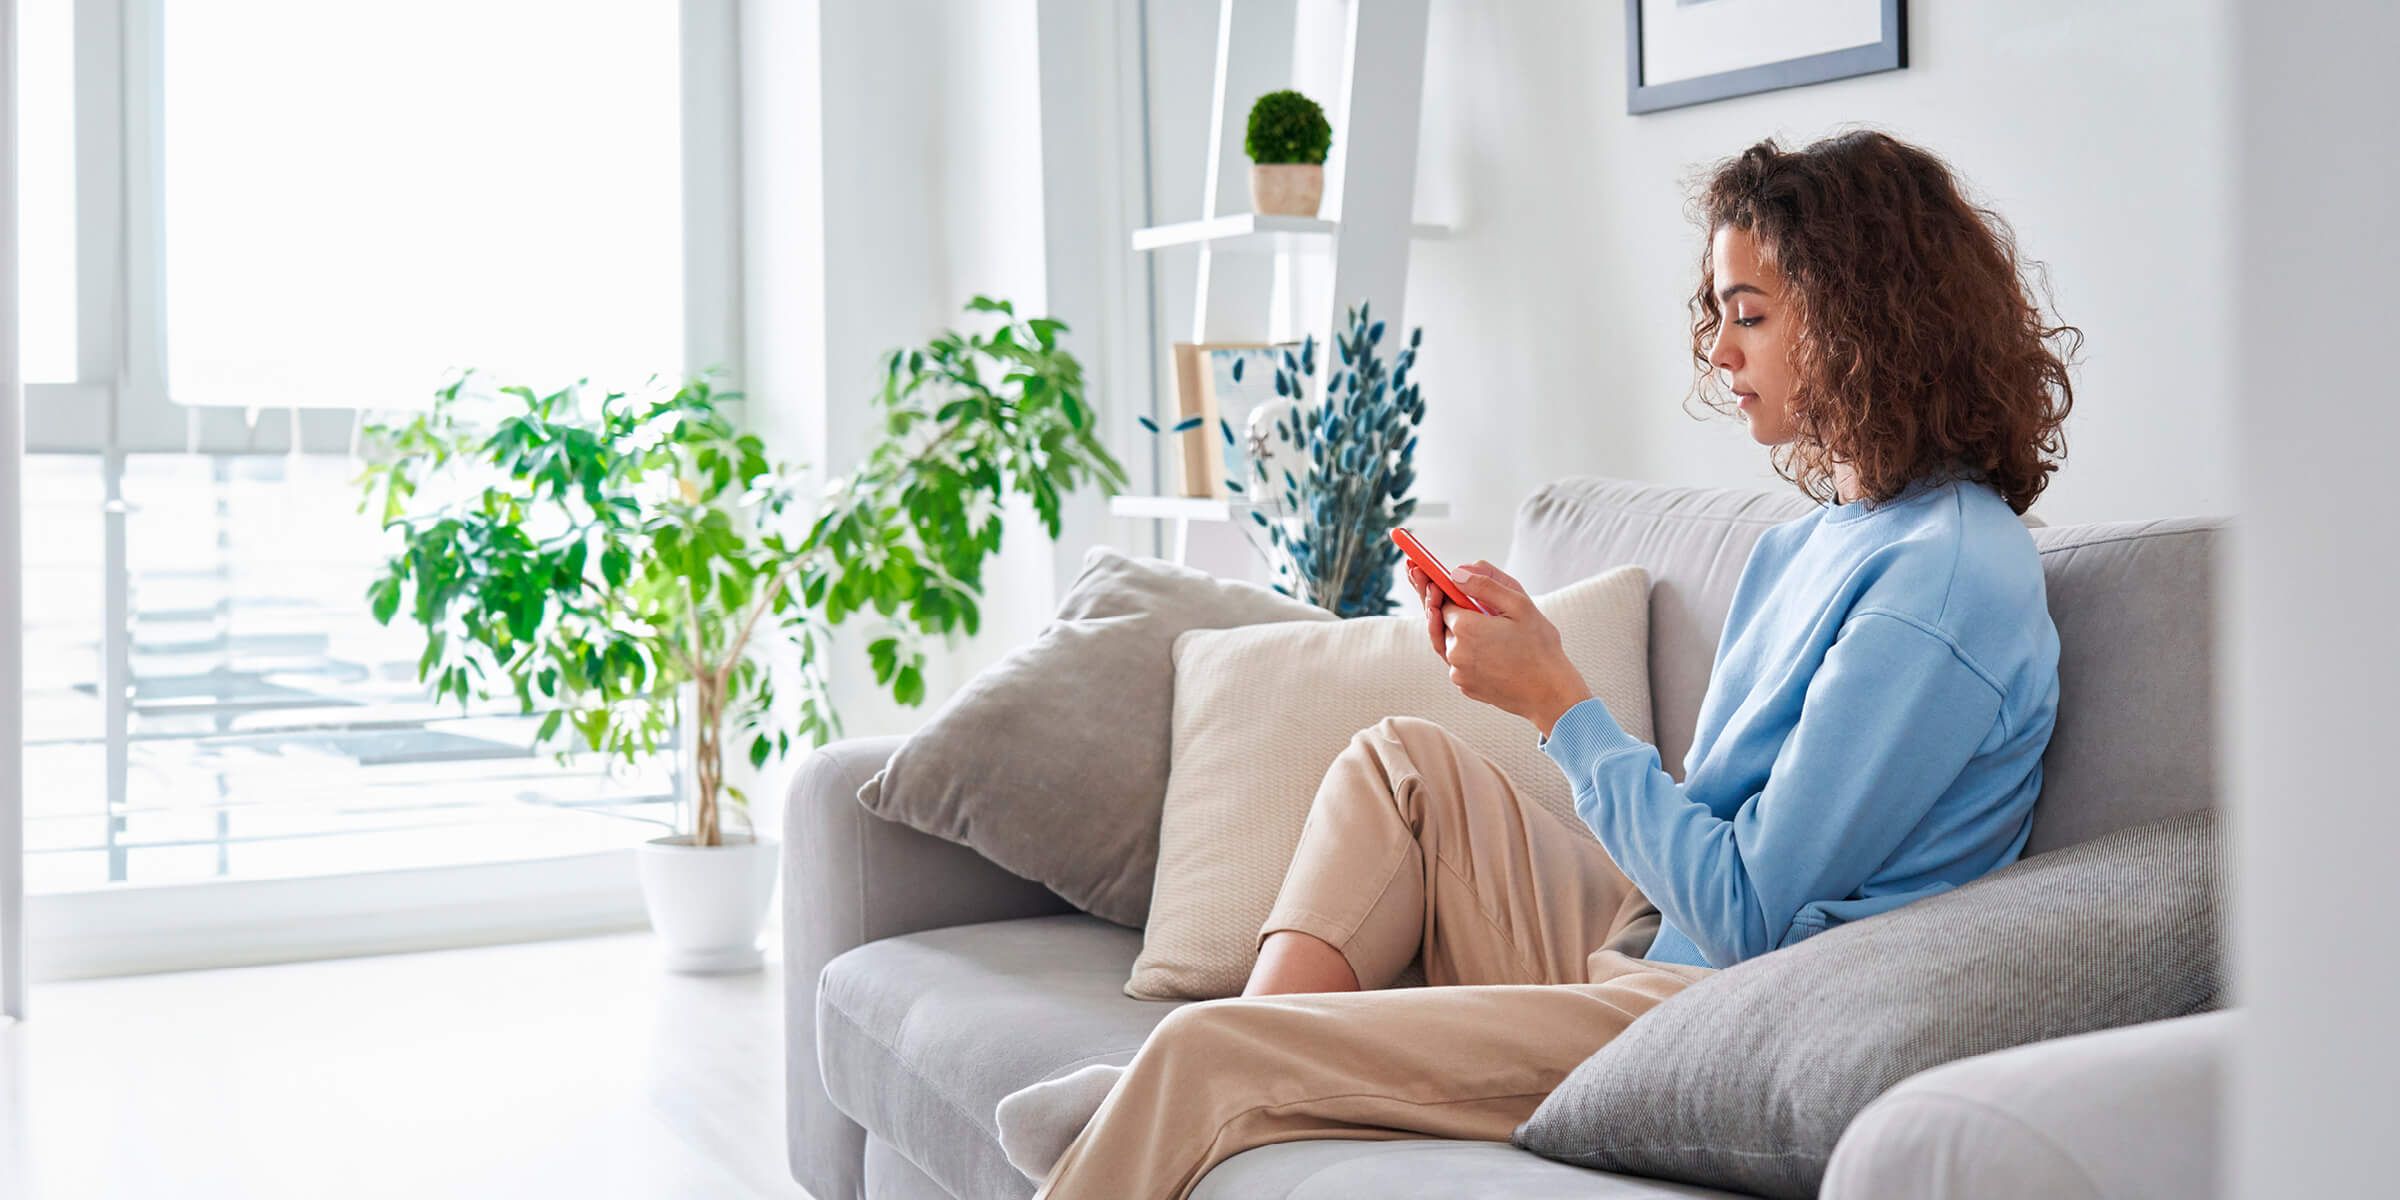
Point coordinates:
[(634, 566), (1287, 141)]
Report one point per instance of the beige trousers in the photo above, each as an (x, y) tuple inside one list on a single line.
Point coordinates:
[(1417, 849)]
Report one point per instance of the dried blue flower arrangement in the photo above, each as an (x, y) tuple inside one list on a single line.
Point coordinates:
[(1359, 443)]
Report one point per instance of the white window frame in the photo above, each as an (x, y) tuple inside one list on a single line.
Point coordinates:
[(12, 628), (118, 404)]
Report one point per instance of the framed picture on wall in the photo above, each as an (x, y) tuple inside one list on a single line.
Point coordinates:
[(1680, 52)]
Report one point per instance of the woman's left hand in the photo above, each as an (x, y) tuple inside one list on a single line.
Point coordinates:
[(1511, 658)]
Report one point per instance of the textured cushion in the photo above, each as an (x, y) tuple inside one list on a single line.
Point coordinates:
[(1746, 1079), (1260, 713), (1052, 762), (1419, 1169), (920, 1036), (2135, 609), (2133, 603)]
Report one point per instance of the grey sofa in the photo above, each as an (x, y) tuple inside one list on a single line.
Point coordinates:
[(926, 983)]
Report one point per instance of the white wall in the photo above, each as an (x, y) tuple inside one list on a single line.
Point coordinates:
[(1556, 337), (1093, 198), (988, 199), (2309, 705), (1555, 327), (892, 169)]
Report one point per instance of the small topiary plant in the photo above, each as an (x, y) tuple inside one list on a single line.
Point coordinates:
[(1287, 127)]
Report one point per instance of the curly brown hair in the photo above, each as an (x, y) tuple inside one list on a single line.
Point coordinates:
[(1919, 346)]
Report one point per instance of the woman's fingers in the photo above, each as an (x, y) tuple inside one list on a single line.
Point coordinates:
[(1433, 621), (1480, 567)]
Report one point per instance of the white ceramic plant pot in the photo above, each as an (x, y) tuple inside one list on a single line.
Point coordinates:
[(707, 903), (1287, 189)]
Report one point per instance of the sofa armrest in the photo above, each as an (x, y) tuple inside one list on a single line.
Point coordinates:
[(2119, 1113), (849, 878)]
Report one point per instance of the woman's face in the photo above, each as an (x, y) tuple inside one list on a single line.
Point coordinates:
[(1753, 351)]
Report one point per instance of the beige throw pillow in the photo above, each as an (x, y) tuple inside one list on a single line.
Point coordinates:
[(1260, 714)]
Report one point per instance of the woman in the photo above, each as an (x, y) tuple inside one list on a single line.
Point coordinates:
[(1872, 733)]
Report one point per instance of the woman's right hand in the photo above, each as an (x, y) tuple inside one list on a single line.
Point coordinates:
[(1433, 599)]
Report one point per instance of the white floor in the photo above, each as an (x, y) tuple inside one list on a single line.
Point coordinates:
[(570, 1068)]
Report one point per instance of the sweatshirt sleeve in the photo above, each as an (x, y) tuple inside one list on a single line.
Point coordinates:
[(1891, 717)]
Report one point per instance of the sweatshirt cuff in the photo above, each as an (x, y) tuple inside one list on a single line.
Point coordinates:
[(1584, 735)]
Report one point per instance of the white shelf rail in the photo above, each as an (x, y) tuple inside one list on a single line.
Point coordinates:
[(1370, 180), (1260, 233), (1183, 510), (1370, 190)]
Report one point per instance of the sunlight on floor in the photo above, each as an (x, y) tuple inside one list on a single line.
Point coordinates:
[(569, 1068)]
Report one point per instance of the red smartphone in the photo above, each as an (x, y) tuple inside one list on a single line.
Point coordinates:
[(1434, 570)]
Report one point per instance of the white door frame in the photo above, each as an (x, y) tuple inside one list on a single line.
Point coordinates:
[(12, 632)]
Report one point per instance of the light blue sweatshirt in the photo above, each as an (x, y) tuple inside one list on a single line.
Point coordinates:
[(1872, 734)]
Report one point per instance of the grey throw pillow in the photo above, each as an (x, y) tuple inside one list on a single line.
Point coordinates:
[(1746, 1079), (1052, 762)]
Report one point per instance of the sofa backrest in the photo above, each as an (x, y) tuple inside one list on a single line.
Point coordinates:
[(2133, 604)]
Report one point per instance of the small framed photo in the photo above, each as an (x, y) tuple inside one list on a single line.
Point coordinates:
[(1208, 386), (1680, 52)]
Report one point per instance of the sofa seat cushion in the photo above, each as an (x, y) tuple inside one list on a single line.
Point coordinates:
[(920, 1036), (1421, 1169)]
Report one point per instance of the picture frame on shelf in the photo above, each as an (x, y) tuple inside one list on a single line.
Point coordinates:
[(1682, 52), (1206, 387)]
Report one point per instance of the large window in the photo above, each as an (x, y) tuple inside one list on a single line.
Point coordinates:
[(360, 196), (272, 728), (297, 210), (46, 188)]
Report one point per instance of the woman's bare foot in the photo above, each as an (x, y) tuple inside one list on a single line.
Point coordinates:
[(1290, 961)]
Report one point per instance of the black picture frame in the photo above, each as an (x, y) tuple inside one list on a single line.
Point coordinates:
[(1890, 54)]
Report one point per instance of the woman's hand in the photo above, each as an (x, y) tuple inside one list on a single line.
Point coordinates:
[(1510, 657)]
